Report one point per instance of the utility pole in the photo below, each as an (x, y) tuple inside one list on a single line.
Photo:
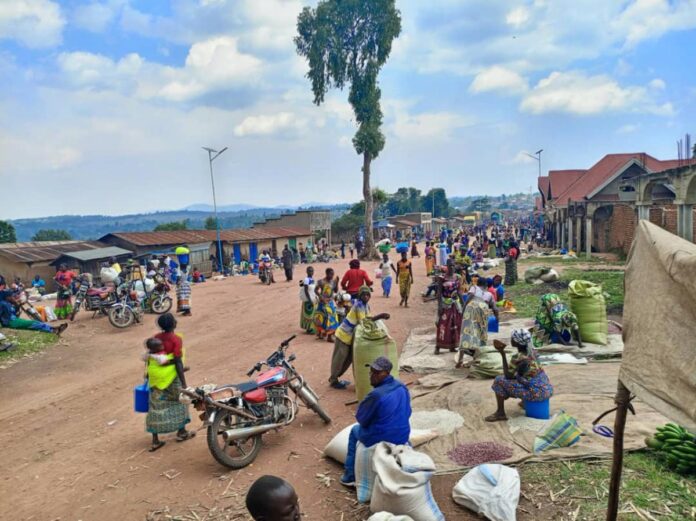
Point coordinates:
[(212, 158), (537, 158)]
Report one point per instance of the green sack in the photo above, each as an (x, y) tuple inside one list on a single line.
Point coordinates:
[(588, 304), (534, 273), (371, 340), (487, 363)]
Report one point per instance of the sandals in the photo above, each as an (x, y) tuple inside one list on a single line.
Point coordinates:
[(186, 435), (157, 446), (341, 384), (495, 418), (59, 330)]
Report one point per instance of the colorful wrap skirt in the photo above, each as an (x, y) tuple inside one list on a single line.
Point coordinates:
[(386, 285), (307, 317), (474, 325), (326, 318), (535, 389), (449, 325), (63, 307), (166, 413)]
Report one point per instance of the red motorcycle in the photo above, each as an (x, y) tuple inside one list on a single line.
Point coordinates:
[(97, 300), (238, 414)]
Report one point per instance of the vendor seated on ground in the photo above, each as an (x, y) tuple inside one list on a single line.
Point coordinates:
[(383, 415), (39, 284), (271, 498), (8, 317), (554, 323), (523, 378), (197, 276)]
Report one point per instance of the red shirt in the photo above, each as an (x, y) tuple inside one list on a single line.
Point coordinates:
[(354, 279), (172, 343)]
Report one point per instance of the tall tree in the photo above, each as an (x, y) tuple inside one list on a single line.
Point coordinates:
[(436, 201), (51, 235), (7, 232), (346, 42)]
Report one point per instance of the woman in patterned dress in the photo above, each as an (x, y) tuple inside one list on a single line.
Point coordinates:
[(475, 319), (325, 315)]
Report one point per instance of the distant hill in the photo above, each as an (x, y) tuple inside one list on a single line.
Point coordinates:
[(90, 227), (202, 207)]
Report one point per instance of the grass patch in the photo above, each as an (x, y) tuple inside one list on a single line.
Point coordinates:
[(28, 342), (647, 484), (526, 296)]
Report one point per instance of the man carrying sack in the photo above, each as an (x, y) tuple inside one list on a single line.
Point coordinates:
[(383, 415)]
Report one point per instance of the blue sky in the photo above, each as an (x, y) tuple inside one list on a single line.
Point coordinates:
[(104, 104)]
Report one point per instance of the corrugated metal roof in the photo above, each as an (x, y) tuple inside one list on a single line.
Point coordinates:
[(97, 253), (198, 236), (43, 251)]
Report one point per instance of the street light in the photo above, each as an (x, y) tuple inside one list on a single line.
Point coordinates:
[(212, 158), (537, 158)]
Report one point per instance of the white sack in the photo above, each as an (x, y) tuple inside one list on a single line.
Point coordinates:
[(386, 516), (108, 275), (497, 502)]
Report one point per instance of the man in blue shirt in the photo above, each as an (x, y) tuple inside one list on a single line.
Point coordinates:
[(383, 415), (39, 284)]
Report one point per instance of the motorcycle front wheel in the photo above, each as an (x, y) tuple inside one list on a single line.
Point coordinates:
[(235, 454), (33, 314), (161, 304), (269, 278), (121, 316), (76, 308)]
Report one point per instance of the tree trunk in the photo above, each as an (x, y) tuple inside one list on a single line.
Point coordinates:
[(368, 252)]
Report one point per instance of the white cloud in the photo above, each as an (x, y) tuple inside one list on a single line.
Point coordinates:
[(213, 65), (33, 23), (283, 123), (499, 79), (431, 126), (96, 17), (517, 17), (574, 92), (647, 19), (657, 84), (627, 129)]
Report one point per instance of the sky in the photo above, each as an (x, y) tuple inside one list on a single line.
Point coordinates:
[(105, 104)]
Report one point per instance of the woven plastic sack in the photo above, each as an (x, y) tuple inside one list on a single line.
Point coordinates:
[(386, 516), (371, 340), (561, 431), (535, 273), (402, 483), (364, 472), (487, 363), (588, 304), (491, 490)]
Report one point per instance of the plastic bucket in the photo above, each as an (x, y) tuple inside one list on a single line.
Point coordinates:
[(538, 410), (141, 395), (492, 324), (183, 258)]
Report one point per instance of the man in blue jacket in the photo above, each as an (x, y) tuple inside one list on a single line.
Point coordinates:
[(383, 415)]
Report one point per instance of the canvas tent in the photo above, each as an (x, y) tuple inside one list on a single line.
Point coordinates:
[(658, 365)]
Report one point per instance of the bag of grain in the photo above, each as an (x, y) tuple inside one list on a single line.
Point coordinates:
[(491, 490), (402, 483), (372, 340), (588, 304)]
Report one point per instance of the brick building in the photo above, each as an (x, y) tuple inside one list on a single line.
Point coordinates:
[(598, 209)]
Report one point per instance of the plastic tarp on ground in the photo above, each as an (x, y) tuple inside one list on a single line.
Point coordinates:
[(659, 361), (584, 392)]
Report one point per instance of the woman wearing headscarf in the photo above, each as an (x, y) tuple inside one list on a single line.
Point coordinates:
[(325, 315), (404, 276), (554, 322), (430, 257), (513, 253), (449, 320), (308, 297), (64, 280), (523, 378)]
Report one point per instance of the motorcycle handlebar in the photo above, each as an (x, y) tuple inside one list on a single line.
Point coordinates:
[(286, 342), (254, 369)]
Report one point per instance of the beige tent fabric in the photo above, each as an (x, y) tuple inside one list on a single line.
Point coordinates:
[(584, 392), (659, 360)]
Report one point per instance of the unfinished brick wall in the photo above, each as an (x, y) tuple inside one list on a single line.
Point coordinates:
[(665, 216), (622, 225)]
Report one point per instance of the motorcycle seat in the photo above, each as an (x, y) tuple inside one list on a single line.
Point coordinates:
[(98, 292), (245, 387)]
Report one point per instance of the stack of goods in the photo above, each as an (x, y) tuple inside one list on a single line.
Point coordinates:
[(677, 446)]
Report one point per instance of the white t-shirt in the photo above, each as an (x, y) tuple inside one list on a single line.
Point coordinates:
[(482, 294), (386, 268)]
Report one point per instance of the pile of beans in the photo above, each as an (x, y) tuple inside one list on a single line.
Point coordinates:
[(472, 454)]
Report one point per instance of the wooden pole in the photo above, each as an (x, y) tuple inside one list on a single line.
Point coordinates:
[(622, 401)]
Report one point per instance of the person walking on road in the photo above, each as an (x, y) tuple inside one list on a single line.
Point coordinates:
[(287, 258)]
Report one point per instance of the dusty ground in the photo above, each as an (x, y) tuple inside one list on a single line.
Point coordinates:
[(74, 449)]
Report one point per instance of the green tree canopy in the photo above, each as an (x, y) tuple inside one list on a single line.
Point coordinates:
[(51, 235), (436, 201), (211, 223), (346, 43), (172, 226), (7, 232)]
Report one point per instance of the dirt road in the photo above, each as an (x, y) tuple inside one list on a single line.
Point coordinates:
[(74, 449)]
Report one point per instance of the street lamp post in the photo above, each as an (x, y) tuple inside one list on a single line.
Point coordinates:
[(212, 155), (537, 158)]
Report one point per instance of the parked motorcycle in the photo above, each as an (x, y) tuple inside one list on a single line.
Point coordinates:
[(159, 302), (237, 415), (127, 308), (97, 300)]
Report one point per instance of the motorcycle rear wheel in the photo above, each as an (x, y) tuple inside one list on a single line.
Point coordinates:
[(236, 454), (121, 316)]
